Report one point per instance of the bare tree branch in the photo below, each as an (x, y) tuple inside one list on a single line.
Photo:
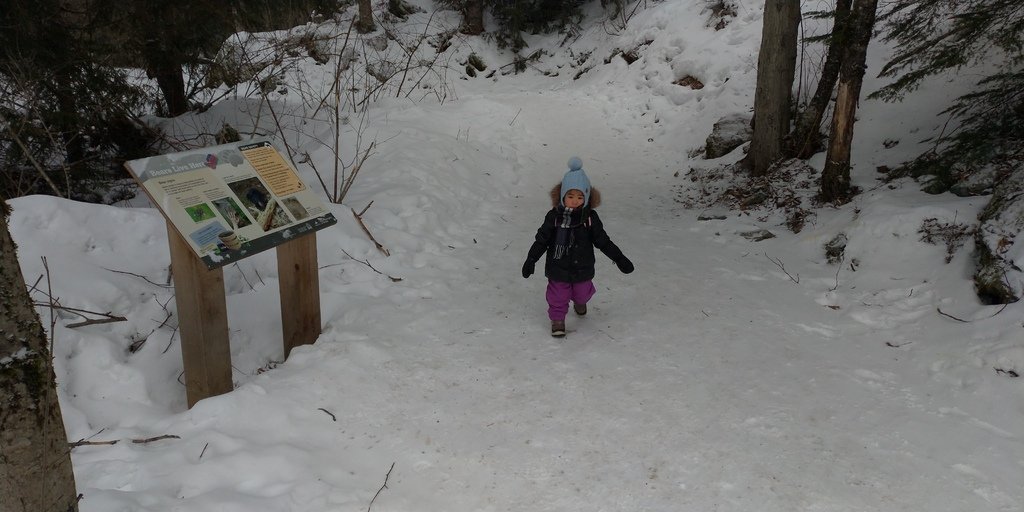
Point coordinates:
[(144, 278), (380, 247), (157, 438), (778, 263), (385, 486), (94, 321), (367, 263)]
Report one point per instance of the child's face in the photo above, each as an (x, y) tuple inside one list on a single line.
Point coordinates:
[(573, 199)]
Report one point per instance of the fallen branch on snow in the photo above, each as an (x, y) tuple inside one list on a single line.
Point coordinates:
[(385, 486), (359, 218)]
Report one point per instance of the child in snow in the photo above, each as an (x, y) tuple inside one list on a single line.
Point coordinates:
[(569, 234)]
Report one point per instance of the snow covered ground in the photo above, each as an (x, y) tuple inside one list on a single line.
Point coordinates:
[(723, 374)]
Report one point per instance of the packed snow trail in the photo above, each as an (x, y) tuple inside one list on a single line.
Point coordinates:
[(695, 383), (711, 379), (706, 380)]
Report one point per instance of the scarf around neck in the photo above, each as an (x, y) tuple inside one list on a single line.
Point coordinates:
[(566, 219)]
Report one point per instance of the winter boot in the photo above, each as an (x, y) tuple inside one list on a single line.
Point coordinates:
[(557, 328), (580, 309)]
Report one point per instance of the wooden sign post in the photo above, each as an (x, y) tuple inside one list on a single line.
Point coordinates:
[(202, 322), (223, 204), (300, 292)]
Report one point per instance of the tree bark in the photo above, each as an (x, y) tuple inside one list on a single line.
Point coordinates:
[(776, 67), (473, 22), (805, 139), (35, 462), (172, 84), (365, 24), (165, 68), (835, 177)]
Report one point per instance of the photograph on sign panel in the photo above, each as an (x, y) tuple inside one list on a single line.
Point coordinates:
[(254, 196), (231, 212), (200, 212), (295, 207), (273, 217)]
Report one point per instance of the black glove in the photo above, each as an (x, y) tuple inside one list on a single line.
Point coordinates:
[(625, 265), (528, 268)]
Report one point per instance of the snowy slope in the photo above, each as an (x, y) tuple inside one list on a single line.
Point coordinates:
[(723, 374)]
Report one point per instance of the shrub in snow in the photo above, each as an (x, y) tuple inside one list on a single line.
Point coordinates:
[(952, 234)]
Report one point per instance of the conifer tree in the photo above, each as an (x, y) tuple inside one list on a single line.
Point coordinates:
[(65, 108), (939, 36)]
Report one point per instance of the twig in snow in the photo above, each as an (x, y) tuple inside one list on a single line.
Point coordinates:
[(514, 118), (359, 218), (157, 438), (107, 317), (997, 312), (838, 268), (1011, 373), (969, 321), (35, 284), (385, 486), (169, 314), (171, 340), (368, 205), (367, 263), (83, 442), (778, 263), (137, 344), (951, 316), (329, 413), (251, 287), (204, 450), (93, 321), (144, 278)]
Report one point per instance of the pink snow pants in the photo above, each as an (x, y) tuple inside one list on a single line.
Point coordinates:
[(559, 294)]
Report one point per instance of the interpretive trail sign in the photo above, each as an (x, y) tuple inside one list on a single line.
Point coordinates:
[(222, 204), (231, 201)]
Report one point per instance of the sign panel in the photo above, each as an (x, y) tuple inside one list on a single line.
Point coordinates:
[(231, 201)]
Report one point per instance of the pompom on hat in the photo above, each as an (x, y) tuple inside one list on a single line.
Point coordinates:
[(575, 178)]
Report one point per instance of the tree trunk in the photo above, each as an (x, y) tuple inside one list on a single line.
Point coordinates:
[(473, 23), (365, 24), (172, 85), (806, 136), (835, 177), (35, 463), (776, 67)]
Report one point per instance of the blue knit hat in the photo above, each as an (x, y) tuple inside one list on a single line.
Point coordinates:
[(575, 178)]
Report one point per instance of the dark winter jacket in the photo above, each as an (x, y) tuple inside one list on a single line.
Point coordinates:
[(578, 264)]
